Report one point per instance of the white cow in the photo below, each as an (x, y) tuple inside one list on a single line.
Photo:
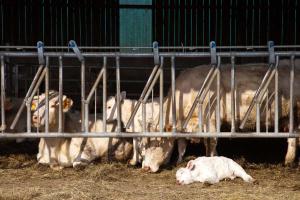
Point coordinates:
[(127, 107), (211, 170), (248, 79), (65, 152)]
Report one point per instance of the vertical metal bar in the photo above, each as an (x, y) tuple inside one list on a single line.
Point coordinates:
[(28, 106), (258, 117), (82, 93), (232, 94), (60, 94), (104, 92), (276, 96), (2, 94), (173, 94), (118, 93), (218, 96), (144, 116), (267, 111), (292, 75), (47, 95), (86, 117), (95, 107), (200, 118), (161, 95)]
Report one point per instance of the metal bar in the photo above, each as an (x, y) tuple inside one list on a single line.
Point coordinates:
[(145, 90), (244, 54), (173, 94), (95, 85), (292, 79), (152, 85), (82, 93), (144, 116), (60, 95), (258, 117), (118, 93), (161, 95), (3, 126), (256, 95), (104, 92), (207, 78), (47, 95), (200, 118), (37, 85), (28, 106), (86, 117), (28, 94), (150, 134), (276, 119), (218, 96), (232, 94)]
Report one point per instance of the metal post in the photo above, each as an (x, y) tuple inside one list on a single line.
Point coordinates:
[(232, 94), (292, 75), (118, 93), (47, 95), (161, 95), (200, 118), (173, 94), (60, 94), (218, 96), (104, 92), (257, 117), (144, 116), (276, 97), (3, 126), (28, 94), (82, 94)]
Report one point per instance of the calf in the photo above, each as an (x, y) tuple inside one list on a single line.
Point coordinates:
[(127, 107), (211, 170), (66, 152)]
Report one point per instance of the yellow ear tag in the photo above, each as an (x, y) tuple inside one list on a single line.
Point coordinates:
[(33, 107)]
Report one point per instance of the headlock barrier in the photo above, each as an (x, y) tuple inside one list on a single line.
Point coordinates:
[(160, 55)]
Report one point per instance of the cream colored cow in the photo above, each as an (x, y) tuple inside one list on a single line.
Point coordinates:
[(66, 152), (248, 79)]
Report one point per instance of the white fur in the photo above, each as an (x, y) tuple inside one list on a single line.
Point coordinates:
[(211, 170)]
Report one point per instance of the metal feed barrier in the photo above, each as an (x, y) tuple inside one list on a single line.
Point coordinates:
[(44, 54)]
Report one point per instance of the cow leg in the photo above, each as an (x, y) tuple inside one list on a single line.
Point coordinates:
[(182, 144), (291, 151), (211, 143), (136, 158)]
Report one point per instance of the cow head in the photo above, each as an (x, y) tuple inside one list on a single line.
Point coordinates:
[(111, 106), (39, 109), (184, 176), (157, 153)]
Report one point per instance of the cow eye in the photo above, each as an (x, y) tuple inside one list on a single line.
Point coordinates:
[(109, 107)]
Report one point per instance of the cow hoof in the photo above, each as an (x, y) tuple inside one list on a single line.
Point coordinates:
[(146, 169), (79, 165), (56, 167), (132, 162)]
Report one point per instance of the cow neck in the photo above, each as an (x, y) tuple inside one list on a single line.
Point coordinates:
[(126, 109)]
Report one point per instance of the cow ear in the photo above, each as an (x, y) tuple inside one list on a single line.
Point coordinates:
[(67, 104), (190, 165)]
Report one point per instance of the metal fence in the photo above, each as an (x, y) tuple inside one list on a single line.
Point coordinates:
[(174, 22), (160, 56)]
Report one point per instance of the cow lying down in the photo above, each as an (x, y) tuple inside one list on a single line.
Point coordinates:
[(211, 170), (67, 152)]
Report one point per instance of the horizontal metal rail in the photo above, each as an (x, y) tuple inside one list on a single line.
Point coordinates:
[(151, 134), (149, 55)]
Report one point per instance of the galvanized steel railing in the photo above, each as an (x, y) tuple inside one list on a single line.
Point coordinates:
[(43, 74)]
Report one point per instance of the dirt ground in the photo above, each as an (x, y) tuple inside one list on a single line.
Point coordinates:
[(22, 178)]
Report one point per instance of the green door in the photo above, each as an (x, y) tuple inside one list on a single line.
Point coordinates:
[(135, 23)]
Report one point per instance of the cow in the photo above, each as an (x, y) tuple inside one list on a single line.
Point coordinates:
[(11, 106), (76, 152), (127, 107), (248, 79), (211, 170)]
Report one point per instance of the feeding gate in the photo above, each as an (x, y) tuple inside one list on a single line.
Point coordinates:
[(161, 60)]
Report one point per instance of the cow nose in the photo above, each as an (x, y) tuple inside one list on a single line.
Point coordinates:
[(178, 182), (34, 118), (146, 169)]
